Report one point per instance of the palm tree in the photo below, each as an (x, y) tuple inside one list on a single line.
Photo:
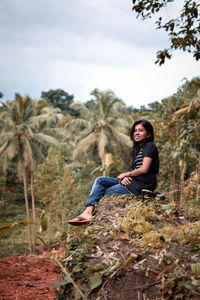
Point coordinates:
[(105, 123), (20, 141)]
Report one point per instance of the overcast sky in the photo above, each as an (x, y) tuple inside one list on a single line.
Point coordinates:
[(80, 45)]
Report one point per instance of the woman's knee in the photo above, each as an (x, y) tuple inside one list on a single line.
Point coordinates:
[(99, 179)]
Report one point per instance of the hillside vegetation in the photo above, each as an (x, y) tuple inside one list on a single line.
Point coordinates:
[(134, 246)]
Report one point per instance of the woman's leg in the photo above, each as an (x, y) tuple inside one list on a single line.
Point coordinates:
[(101, 184), (117, 189)]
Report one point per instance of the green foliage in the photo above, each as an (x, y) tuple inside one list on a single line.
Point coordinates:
[(59, 99), (22, 138), (5, 227), (50, 191), (183, 31), (13, 240)]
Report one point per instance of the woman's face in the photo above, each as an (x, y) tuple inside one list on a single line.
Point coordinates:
[(140, 133)]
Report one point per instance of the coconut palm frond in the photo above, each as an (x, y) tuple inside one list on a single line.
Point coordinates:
[(43, 138), (37, 121), (47, 117), (101, 106), (122, 138), (83, 133), (52, 118), (22, 108), (76, 123), (26, 128), (39, 105), (85, 143), (37, 152), (28, 112), (10, 151), (82, 109), (5, 104), (55, 131), (9, 125), (102, 144), (65, 120), (51, 110), (2, 122), (76, 127), (6, 137), (3, 148), (122, 123), (116, 106)]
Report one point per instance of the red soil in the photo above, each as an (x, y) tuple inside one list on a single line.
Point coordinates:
[(28, 278)]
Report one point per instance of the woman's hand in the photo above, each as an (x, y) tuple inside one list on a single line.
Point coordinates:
[(126, 180), (123, 175)]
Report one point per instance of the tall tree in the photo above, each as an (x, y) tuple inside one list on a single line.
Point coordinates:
[(101, 125), (183, 31), (20, 141), (178, 135), (187, 92), (60, 99)]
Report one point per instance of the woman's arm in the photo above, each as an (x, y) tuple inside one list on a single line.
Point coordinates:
[(142, 170)]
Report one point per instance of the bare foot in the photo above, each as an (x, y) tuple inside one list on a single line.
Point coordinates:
[(83, 218), (86, 216)]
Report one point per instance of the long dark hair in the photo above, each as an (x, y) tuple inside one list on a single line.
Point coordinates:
[(136, 145)]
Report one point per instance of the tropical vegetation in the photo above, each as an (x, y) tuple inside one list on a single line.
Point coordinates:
[(49, 158)]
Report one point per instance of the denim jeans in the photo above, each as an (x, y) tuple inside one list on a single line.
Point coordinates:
[(105, 186)]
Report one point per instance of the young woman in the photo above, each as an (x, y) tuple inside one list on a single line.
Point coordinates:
[(144, 168)]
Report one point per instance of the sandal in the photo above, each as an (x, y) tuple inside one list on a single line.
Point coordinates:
[(79, 221)]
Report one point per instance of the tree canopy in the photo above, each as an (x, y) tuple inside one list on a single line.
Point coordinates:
[(59, 99), (183, 31)]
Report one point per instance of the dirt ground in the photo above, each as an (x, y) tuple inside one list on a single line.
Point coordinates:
[(120, 256), (28, 278)]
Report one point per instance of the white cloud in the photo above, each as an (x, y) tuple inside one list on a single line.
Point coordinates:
[(80, 45)]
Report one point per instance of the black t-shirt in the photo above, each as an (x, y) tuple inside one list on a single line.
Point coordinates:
[(148, 180), (149, 149)]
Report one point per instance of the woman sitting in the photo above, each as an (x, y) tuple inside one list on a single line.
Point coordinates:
[(144, 168)]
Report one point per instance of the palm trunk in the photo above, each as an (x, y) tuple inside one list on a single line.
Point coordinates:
[(33, 213), (198, 181), (173, 178), (27, 208), (103, 162), (182, 166)]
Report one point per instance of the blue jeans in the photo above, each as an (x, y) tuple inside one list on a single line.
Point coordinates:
[(105, 186)]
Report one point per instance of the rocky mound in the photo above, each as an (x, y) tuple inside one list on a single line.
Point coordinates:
[(135, 248)]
